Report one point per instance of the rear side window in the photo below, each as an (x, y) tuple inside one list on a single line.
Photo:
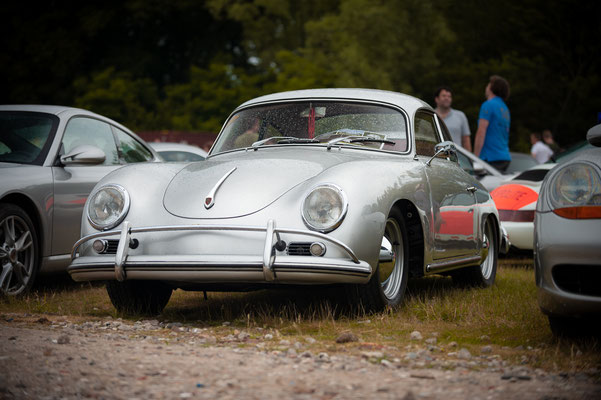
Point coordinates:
[(25, 137), (131, 150)]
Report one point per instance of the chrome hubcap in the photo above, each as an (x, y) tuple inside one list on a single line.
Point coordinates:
[(487, 266), (392, 259), (16, 255)]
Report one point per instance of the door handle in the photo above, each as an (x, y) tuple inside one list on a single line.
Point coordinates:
[(471, 189)]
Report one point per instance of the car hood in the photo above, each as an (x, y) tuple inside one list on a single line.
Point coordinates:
[(245, 182)]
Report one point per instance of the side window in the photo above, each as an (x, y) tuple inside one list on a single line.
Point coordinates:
[(446, 135), (425, 134), (81, 130), (131, 150)]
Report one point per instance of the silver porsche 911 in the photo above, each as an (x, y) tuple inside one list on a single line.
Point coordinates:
[(50, 159), (567, 242), (355, 188)]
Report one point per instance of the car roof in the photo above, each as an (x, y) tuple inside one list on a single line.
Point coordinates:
[(405, 101), (49, 109)]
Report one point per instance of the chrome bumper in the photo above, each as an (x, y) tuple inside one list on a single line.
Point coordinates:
[(218, 268)]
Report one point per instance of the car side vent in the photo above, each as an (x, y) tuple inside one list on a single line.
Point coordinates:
[(578, 279), (111, 246), (299, 249)]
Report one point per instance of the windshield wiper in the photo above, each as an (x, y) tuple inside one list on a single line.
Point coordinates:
[(358, 139), (262, 142), (297, 140)]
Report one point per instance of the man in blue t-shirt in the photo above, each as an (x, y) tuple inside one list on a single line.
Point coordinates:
[(492, 137)]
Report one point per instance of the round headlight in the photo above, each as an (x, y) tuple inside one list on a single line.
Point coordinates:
[(108, 206), (576, 185), (324, 208)]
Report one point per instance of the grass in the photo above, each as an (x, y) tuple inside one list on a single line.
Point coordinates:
[(506, 314)]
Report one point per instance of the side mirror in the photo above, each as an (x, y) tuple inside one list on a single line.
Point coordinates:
[(447, 148), (594, 135), (84, 154)]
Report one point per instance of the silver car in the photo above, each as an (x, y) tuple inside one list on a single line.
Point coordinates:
[(348, 187), (567, 241), (50, 159)]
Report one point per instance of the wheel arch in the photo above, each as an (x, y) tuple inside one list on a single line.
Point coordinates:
[(496, 227), (415, 232), (29, 206)]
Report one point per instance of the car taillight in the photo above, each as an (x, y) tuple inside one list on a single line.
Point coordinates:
[(516, 215), (582, 212)]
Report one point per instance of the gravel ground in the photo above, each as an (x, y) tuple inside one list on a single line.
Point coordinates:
[(56, 358)]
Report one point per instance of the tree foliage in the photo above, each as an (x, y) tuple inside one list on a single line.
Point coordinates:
[(186, 64)]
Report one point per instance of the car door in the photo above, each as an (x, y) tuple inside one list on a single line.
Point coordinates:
[(453, 227), (73, 183)]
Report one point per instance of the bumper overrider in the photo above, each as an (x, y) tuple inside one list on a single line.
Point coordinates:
[(272, 266)]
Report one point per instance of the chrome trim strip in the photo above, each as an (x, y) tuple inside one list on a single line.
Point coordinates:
[(210, 199), (269, 252), (167, 228), (446, 265)]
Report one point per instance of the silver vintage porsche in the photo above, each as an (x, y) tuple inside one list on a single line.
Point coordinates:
[(349, 187)]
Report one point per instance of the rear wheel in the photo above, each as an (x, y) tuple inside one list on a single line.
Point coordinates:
[(482, 275), (387, 285), (139, 297), (18, 250)]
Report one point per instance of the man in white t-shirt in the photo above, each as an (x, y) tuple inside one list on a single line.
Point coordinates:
[(540, 151), (455, 120)]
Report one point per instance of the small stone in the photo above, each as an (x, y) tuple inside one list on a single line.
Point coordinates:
[(285, 342), (185, 395), (306, 354), (242, 336), (268, 336), (411, 356), (323, 357), (431, 341), (63, 339), (298, 345), (485, 338), (416, 335), (453, 344), (310, 340), (12, 338), (372, 354), (464, 354), (43, 320), (291, 353), (386, 363), (486, 350), (347, 337), (226, 323)]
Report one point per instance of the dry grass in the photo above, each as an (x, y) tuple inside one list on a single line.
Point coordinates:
[(507, 314)]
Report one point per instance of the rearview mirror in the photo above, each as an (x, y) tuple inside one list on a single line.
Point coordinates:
[(84, 154), (479, 169)]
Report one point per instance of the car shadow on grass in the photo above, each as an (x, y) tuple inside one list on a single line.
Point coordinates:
[(55, 283)]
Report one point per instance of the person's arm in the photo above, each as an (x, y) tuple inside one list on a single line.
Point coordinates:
[(480, 136), (465, 143)]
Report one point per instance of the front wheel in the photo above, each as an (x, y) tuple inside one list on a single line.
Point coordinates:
[(18, 250), (139, 297), (482, 275), (387, 285)]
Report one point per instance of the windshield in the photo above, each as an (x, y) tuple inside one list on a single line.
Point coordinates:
[(25, 137), (369, 126)]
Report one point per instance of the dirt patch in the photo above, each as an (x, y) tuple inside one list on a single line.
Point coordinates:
[(55, 357)]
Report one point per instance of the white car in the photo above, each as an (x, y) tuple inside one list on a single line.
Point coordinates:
[(516, 202), (488, 175), (178, 152)]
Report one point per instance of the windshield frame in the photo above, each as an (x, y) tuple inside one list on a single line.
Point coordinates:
[(43, 154), (409, 137)]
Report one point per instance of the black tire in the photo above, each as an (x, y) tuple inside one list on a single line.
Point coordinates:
[(482, 275), (387, 286), (19, 250), (139, 297)]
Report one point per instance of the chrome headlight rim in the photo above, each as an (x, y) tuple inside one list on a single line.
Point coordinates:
[(556, 192), (344, 200), (126, 203)]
